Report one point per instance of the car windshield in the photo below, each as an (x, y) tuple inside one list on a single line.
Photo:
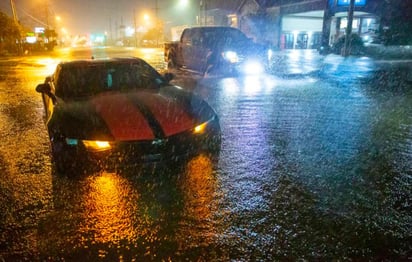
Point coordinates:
[(86, 79), (233, 38), (225, 37)]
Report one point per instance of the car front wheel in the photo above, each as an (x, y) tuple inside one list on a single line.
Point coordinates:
[(171, 63), (209, 70), (65, 158)]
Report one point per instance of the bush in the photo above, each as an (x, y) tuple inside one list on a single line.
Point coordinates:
[(356, 46)]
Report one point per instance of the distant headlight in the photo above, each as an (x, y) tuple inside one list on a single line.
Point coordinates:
[(270, 54), (95, 145), (231, 56), (200, 129)]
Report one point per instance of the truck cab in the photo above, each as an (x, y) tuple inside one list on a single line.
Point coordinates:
[(202, 49)]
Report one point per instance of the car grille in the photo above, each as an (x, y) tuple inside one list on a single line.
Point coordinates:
[(132, 153)]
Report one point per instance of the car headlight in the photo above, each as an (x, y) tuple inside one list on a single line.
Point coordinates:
[(91, 145), (96, 145), (231, 56), (200, 129)]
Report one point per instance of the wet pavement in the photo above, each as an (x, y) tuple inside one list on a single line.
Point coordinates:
[(312, 167)]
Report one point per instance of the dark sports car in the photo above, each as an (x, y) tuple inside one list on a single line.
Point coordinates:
[(121, 112)]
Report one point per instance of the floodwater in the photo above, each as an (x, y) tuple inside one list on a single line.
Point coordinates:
[(310, 168)]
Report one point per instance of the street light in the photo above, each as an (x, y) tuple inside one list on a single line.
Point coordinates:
[(203, 5), (183, 3), (57, 26), (146, 18)]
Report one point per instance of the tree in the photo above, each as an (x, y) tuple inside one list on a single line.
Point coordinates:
[(10, 35), (396, 22)]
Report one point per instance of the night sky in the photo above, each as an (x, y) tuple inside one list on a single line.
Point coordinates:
[(99, 16)]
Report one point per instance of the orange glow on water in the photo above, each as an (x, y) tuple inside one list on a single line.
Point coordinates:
[(199, 188), (109, 214)]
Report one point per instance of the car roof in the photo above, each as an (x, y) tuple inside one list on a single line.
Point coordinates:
[(99, 61), (82, 78), (213, 28)]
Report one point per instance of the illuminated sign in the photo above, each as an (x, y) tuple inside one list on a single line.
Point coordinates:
[(31, 39), (347, 2), (39, 30)]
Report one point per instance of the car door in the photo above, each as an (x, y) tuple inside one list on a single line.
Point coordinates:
[(197, 47), (204, 48), (48, 102), (187, 48)]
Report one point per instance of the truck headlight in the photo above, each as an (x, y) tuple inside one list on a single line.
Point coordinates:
[(231, 56)]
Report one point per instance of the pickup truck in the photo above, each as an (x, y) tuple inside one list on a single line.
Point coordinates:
[(212, 49)]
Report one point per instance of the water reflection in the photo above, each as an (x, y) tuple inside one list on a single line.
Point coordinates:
[(198, 185), (306, 162), (199, 227), (108, 209), (156, 213)]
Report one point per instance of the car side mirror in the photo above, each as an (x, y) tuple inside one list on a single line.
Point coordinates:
[(45, 89), (47, 79)]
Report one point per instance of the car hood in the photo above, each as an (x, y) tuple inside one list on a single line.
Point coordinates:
[(139, 115), (247, 48)]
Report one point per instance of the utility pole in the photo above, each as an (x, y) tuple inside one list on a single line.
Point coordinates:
[(16, 21), (13, 9), (205, 10), (110, 30), (157, 23), (46, 11), (199, 21), (327, 17), (135, 27), (156, 10), (346, 47)]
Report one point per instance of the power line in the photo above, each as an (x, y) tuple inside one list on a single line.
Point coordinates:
[(33, 18)]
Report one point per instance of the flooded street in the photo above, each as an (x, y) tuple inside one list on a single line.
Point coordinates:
[(310, 168)]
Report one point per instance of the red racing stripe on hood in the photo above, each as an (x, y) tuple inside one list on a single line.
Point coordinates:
[(172, 116), (124, 120)]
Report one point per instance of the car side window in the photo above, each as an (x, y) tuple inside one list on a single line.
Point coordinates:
[(61, 83), (197, 39), (187, 37), (109, 80), (55, 78), (146, 77), (208, 39)]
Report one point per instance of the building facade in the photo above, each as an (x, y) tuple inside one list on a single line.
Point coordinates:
[(296, 24)]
